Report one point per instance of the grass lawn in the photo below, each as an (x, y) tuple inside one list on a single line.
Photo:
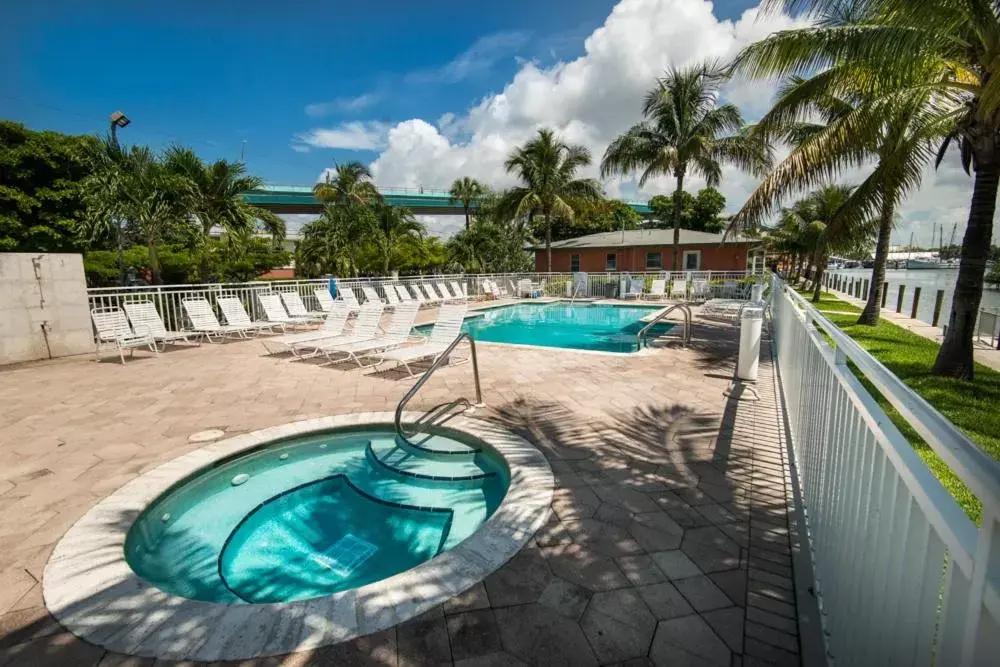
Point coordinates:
[(972, 407)]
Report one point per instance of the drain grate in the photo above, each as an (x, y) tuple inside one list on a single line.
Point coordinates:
[(345, 555)]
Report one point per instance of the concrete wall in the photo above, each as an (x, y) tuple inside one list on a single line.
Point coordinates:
[(714, 257), (43, 289)]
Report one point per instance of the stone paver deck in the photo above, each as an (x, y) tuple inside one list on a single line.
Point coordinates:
[(668, 542)]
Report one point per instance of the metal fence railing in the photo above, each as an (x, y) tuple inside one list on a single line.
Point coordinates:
[(903, 575), (168, 298)]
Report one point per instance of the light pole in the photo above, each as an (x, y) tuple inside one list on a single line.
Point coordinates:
[(118, 119)]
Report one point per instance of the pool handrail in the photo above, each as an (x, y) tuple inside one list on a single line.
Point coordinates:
[(685, 310)]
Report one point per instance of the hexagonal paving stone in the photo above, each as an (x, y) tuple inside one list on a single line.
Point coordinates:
[(522, 579), (498, 659), (702, 593), (568, 599), (581, 565), (473, 634), (541, 636), (728, 624), (605, 538), (656, 531), (613, 640), (470, 600), (665, 601), (688, 634), (423, 642), (624, 605), (640, 569), (675, 564)]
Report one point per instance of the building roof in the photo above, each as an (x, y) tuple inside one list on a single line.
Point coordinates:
[(645, 237)]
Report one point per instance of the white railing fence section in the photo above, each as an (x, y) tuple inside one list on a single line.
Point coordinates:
[(903, 576), (168, 298)]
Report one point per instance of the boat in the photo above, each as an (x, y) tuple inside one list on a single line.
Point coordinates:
[(929, 263)]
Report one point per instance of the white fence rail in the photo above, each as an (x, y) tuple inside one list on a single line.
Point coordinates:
[(903, 576), (168, 298)]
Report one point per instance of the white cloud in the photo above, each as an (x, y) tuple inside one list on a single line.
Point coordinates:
[(442, 226), (355, 135), (480, 57), (343, 105)]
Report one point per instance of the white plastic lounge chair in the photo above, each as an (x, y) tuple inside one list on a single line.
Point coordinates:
[(678, 289), (325, 299), (633, 290), (348, 296), (700, 290), (658, 289), (371, 295), (430, 296), (366, 327), (275, 312), (297, 308), (146, 319), (396, 333), (460, 292), (333, 328), (203, 320), (404, 294), (390, 296), (113, 330), (488, 289), (446, 329), (497, 291), (236, 315), (445, 293)]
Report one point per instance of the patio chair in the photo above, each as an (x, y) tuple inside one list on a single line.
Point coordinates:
[(488, 289), (429, 294), (461, 292), (366, 327), (633, 290), (146, 319), (348, 296), (446, 329), (237, 316), (333, 328), (658, 289), (391, 299), (526, 289), (325, 299), (404, 294), (396, 333), (297, 308), (371, 295), (113, 330), (203, 320), (275, 312), (443, 291), (700, 290), (678, 289)]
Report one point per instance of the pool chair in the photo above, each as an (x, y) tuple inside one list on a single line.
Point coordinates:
[(333, 328), (366, 326), (396, 332), (404, 294), (526, 289), (146, 319), (678, 289), (497, 291), (276, 314), (325, 299), (658, 290), (445, 293), (203, 320), (633, 290), (488, 290), (371, 295), (297, 308), (700, 290), (460, 292), (430, 296), (391, 299), (236, 315), (348, 296), (113, 331), (446, 329)]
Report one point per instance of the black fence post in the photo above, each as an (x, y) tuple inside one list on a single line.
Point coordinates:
[(885, 293), (938, 300), (899, 299), (916, 301), (864, 292)]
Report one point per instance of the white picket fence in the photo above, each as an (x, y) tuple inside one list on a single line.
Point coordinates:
[(168, 298), (903, 576)]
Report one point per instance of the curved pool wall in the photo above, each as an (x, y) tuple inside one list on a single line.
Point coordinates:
[(314, 515), (90, 588)]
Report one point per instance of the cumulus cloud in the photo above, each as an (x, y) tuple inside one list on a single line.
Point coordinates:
[(484, 53), (355, 135), (343, 105)]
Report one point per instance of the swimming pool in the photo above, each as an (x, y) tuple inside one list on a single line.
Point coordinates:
[(599, 327), (315, 515)]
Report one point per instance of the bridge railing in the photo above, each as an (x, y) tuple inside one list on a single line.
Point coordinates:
[(903, 575)]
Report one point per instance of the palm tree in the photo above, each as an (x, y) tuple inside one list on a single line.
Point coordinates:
[(830, 228), (351, 186), (466, 190), (546, 167), (217, 201), (685, 130), (945, 49), (395, 223)]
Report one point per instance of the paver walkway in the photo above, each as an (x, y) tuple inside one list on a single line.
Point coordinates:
[(669, 538)]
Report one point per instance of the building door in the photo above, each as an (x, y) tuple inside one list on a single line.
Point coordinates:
[(692, 260)]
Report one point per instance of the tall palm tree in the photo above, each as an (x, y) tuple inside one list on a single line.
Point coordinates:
[(217, 191), (352, 185), (468, 191), (945, 48), (546, 167), (394, 223), (685, 130)]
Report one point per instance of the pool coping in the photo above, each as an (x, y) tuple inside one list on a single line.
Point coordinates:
[(91, 590)]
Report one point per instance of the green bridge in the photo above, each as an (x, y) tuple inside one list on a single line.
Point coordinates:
[(299, 199)]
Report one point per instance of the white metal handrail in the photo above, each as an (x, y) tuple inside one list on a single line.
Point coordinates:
[(686, 334), (903, 575)]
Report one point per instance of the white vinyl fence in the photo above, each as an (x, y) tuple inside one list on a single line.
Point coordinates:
[(168, 298), (903, 576)]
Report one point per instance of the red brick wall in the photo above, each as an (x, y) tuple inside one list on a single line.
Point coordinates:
[(714, 257)]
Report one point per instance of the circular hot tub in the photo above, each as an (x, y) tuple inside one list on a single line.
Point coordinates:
[(296, 536)]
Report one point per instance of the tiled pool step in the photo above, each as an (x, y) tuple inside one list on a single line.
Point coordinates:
[(422, 470), (437, 448)]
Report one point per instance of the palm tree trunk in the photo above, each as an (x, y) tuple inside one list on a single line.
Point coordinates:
[(466, 217), (548, 240), (203, 267), (955, 356), (677, 219), (154, 264), (873, 307), (820, 259)]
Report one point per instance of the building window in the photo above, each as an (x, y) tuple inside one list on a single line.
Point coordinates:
[(692, 260), (574, 263), (612, 263), (654, 260)]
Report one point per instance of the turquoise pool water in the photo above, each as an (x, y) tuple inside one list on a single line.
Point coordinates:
[(315, 515), (578, 326)]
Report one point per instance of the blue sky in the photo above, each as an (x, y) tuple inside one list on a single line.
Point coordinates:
[(213, 74)]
